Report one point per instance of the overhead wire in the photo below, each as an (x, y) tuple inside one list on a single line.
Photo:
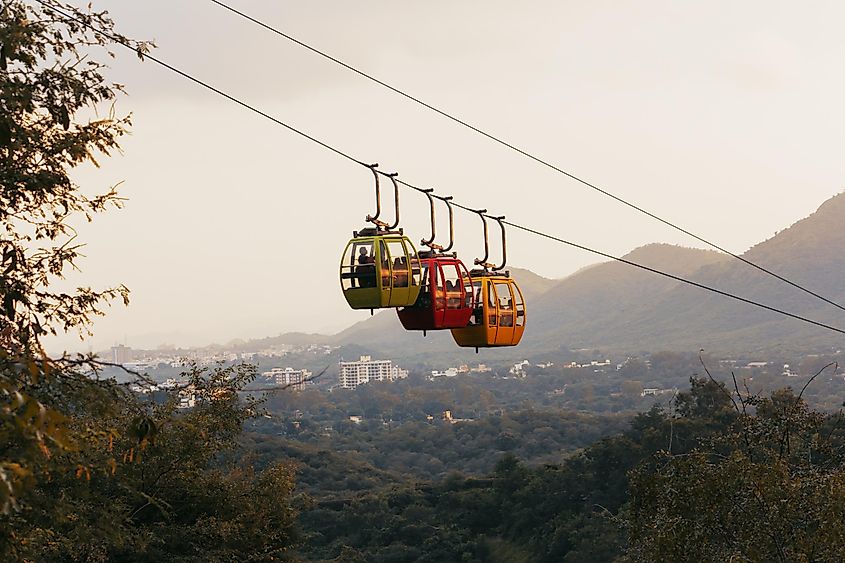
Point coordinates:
[(524, 152), (347, 156)]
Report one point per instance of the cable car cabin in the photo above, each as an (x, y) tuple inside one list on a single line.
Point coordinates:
[(498, 318), (380, 269), (446, 297)]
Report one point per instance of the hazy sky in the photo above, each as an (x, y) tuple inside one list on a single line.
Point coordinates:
[(726, 117)]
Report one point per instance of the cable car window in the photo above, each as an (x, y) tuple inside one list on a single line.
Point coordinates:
[(410, 254), (385, 265), (439, 294), (358, 268), (519, 305), (399, 263), (347, 268), (452, 285), (424, 299), (471, 290), (491, 304), (478, 311), (415, 270), (424, 279), (506, 303)]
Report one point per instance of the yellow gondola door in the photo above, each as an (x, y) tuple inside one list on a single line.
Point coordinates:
[(400, 273), (385, 281)]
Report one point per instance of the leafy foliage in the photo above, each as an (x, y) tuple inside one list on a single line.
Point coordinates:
[(703, 481), (770, 487), (47, 78), (153, 483), (89, 472)]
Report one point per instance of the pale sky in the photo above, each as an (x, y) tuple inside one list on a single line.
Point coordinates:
[(725, 117)]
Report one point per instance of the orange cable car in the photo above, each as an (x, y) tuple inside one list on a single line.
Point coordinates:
[(446, 299), (498, 318), (379, 267)]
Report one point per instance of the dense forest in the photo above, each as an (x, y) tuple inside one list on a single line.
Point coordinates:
[(88, 471), (718, 476)]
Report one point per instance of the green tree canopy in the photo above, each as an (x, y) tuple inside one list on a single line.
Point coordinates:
[(88, 471)]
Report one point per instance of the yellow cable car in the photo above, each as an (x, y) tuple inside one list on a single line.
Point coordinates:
[(499, 315), (380, 267)]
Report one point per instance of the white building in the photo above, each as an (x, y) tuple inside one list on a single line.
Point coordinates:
[(294, 378), (121, 354), (519, 369), (187, 400), (365, 370)]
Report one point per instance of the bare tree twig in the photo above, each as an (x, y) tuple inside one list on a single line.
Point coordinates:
[(787, 428), (818, 373), (719, 385)]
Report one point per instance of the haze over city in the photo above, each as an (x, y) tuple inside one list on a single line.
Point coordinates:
[(724, 118)]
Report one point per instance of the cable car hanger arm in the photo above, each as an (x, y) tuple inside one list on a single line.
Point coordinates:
[(501, 222), (381, 225), (483, 261), (448, 200), (429, 242), (374, 218)]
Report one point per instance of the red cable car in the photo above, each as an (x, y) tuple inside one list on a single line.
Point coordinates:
[(445, 301), (446, 298)]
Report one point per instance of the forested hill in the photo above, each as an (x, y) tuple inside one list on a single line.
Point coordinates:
[(652, 313), (602, 305), (703, 480)]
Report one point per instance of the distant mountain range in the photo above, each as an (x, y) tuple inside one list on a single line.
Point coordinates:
[(612, 306)]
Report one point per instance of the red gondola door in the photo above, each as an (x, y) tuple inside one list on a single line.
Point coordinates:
[(444, 301), (457, 308)]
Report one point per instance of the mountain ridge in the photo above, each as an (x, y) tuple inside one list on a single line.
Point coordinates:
[(612, 306)]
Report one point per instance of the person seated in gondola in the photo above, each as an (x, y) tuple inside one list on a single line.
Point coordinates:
[(478, 311), (366, 269)]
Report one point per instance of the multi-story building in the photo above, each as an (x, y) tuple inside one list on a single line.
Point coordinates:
[(121, 354), (365, 370), (293, 378)]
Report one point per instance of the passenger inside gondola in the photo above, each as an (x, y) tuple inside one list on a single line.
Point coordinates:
[(366, 269), (478, 312)]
